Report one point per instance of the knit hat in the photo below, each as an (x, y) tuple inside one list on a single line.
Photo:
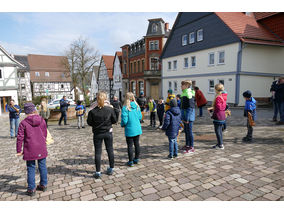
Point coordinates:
[(173, 103), (170, 91), (247, 94), (29, 108)]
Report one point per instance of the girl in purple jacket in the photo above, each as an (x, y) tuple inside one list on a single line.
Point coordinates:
[(32, 136)]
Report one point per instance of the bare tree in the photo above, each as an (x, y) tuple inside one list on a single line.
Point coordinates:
[(81, 58)]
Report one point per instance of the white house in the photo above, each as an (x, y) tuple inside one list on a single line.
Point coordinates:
[(94, 83), (117, 77), (8, 78), (235, 49)]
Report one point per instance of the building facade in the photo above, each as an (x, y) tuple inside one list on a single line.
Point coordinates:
[(234, 49), (8, 79), (117, 76), (140, 60), (49, 77)]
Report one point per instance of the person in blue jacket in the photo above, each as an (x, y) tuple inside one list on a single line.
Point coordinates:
[(64, 103), (250, 107), (14, 115), (130, 119), (80, 112), (171, 125)]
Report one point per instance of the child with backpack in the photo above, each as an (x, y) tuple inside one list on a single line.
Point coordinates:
[(171, 125), (250, 113), (80, 112)]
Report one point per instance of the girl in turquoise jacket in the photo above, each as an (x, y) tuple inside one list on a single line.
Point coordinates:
[(130, 120)]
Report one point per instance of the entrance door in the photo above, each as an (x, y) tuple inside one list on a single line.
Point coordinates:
[(155, 91)]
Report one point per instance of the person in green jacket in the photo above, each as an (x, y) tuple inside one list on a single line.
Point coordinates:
[(152, 107)]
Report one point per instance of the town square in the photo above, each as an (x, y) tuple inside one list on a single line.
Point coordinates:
[(142, 106)]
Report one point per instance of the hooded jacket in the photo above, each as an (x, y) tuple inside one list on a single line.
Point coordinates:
[(172, 122), (220, 107), (200, 99), (279, 94), (250, 106), (130, 120), (32, 132)]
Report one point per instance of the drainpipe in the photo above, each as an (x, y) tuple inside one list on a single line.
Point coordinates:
[(239, 68)]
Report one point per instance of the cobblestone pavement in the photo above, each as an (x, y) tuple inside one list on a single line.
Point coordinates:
[(243, 171)]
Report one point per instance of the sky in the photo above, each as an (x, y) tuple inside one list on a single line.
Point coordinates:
[(50, 33)]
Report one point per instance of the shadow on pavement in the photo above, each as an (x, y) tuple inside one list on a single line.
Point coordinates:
[(12, 188)]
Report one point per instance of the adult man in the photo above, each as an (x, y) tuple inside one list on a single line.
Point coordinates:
[(275, 105), (117, 105), (279, 96), (64, 103), (141, 101), (14, 115)]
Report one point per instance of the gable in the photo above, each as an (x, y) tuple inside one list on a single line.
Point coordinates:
[(7, 59), (215, 33)]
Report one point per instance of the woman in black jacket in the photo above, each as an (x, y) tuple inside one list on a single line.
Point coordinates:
[(101, 119)]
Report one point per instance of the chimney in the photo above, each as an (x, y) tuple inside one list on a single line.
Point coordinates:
[(167, 26)]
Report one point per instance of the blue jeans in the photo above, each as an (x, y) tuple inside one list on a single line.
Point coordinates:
[(14, 122), (275, 107), (31, 169), (218, 132), (281, 110), (200, 111), (173, 146), (63, 115), (188, 134)]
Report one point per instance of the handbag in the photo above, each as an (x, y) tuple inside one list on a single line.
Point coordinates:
[(49, 139)]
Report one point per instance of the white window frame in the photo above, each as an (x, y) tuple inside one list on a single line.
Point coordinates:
[(175, 86), (184, 59), (219, 52), (175, 63), (151, 48), (191, 40), (170, 85), (2, 74), (154, 26), (211, 89), (152, 68), (141, 86), (200, 37), (169, 65), (37, 74), (46, 74), (156, 44), (183, 41), (191, 61), (209, 54)]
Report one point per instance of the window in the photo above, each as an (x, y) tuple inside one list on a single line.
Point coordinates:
[(62, 75), (22, 75), (23, 86), (169, 65), (156, 45), (131, 67), (175, 64), (48, 86), (175, 86), (62, 86), (138, 66), (24, 98), (143, 66), (200, 35), (193, 61), (154, 28), (124, 68), (154, 63), (141, 86), (1, 75), (184, 40), (191, 38), (211, 58), (222, 82), (153, 45), (211, 86), (37, 74), (221, 57), (135, 67), (170, 85), (46, 74), (133, 87), (40, 86), (185, 62)]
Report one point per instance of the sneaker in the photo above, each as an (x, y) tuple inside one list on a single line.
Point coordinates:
[(175, 156), (109, 171), (83, 127), (245, 139), (218, 147), (185, 148), (130, 163), (191, 150), (30, 192), (136, 161), (170, 156), (97, 175), (41, 188), (160, 127)]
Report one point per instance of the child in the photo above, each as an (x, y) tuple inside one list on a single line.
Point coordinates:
[(219, 117), (249, 111), (188, 114), (80, 112), (153, 109), (171, 125), (32, 132), (161, 111), (44, 112)]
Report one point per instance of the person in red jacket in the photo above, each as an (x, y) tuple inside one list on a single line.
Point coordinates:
[(32, 140), (200, 100)]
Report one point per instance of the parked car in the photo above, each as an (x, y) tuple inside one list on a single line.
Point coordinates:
[(55, 104)]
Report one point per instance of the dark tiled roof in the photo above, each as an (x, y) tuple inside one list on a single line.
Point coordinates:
[(23, 59)]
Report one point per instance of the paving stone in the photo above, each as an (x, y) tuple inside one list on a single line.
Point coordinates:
[(149, 191)]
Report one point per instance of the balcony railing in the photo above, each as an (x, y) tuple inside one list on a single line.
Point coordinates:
[(152, 73)]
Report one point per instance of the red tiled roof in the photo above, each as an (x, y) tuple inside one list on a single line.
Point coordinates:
[(108, 60), (247, 28), (262, 15)]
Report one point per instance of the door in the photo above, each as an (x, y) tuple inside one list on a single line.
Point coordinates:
[(154, 90)]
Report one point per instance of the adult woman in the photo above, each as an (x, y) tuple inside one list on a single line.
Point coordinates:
[(219, 117), (44, 111), (200, 100), (101, 119), (130, 120)]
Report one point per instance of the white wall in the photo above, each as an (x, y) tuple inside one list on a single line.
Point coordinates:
[(9, 76), (12, 93)]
